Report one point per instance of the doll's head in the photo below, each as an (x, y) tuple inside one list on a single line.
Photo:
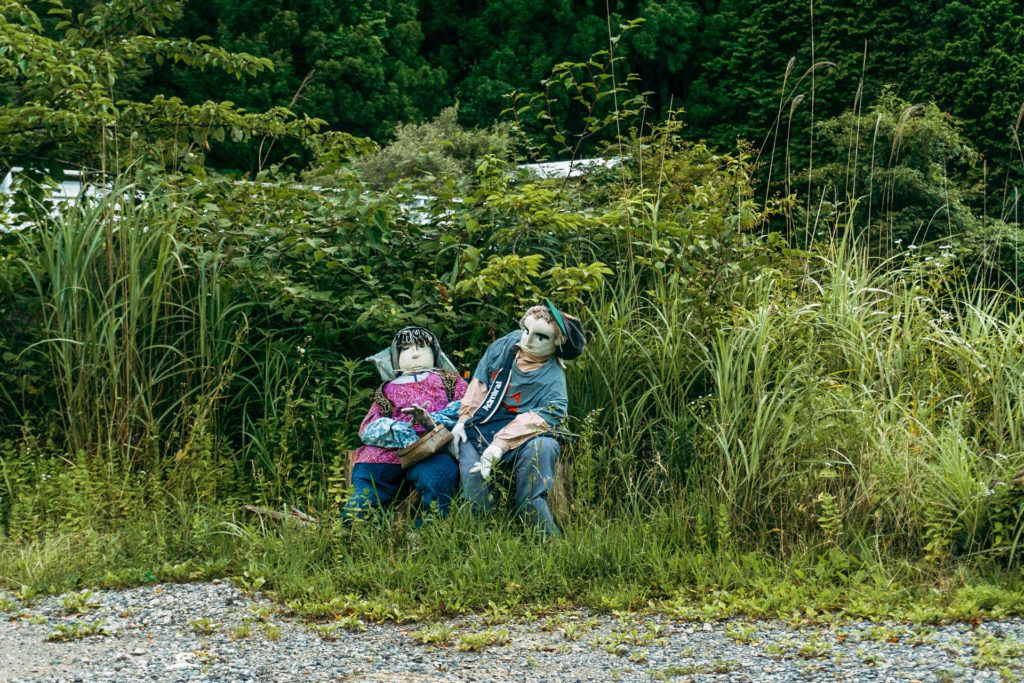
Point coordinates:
[(541, 335), (414, 349)]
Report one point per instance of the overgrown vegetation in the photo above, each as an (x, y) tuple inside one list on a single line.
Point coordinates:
[(789, 406)]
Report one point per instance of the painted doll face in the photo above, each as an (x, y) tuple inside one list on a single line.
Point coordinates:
[(415, 358), (538, 337)]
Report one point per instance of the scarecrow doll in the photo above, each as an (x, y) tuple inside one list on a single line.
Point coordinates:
[(515, 401), (422, 390)]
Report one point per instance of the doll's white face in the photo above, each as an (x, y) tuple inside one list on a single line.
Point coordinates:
[(415, 358), (538, 337)]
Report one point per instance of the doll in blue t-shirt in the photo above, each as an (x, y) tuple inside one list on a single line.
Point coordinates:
[(515, 402)]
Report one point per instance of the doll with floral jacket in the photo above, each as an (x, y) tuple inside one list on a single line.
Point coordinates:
[(395, 421)]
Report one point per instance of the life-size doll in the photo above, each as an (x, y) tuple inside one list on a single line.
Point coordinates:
[(397, 418), (516, 399)]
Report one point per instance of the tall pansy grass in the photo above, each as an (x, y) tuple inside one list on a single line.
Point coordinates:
[(847, 406), (139, 328), (854, 404)]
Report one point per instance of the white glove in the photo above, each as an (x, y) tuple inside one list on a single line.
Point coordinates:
[(458, 437), (488, 459)]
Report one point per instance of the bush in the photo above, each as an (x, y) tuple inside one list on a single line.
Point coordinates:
[(438, 149)]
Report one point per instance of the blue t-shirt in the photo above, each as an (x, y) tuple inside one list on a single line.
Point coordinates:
[(541, 391)]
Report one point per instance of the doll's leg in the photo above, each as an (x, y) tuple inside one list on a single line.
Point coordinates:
[(373, 485), (474, 488), (436, 478), (535, 475)]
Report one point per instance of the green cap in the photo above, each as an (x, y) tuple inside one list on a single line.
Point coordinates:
[(557, 315)]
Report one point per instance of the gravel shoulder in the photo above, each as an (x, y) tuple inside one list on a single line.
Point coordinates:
[(214, 632)]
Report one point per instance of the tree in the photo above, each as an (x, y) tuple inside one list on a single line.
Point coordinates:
[(356, 65), (64, 101)]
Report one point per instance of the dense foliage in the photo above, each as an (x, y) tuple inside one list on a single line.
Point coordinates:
[(818, 368), (366, 67)]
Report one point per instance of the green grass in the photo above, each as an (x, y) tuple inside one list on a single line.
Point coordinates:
[(463, 565)]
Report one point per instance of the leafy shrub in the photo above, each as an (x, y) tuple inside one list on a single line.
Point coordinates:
[(440, 149)]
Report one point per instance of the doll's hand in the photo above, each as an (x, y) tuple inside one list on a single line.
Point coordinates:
[(420, 416), (488, 459), (458, 438)]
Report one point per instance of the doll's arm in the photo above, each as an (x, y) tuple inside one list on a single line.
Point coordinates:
[(385, 432), (521, 429), (476, 392), (448, 415), (527, 425)]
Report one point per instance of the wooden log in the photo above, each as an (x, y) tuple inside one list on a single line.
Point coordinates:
[(292, 514)]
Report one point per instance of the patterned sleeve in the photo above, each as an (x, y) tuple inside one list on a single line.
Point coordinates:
[(460, 387), (448, 415), (385, 432)]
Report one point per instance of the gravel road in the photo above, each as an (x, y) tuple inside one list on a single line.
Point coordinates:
[(214, 632)]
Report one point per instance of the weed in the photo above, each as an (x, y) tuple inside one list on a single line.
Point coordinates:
[(77, 630), (741, 633), (922, 636), (241, 631), (272, 632), (437, 635), (555, 622), (884, 633), (247, 583), (351, 622), (719, 666), (782, 649), (619, 642), (814, 648), (27, 595), (204, 626), (495, 615), (1002, 654), (724, 666), (481, 640), (79, 603), (328, 632), (260, 614)]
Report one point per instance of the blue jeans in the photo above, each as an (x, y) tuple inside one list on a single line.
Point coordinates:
[(533, 464), (380, 484)]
